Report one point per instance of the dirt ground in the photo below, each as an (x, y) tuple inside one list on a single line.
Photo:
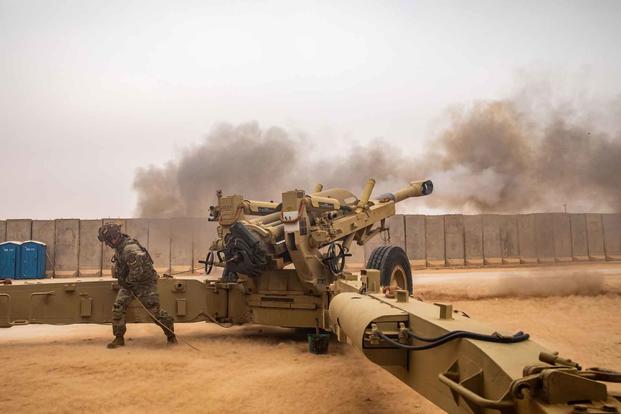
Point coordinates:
[(261, 369)]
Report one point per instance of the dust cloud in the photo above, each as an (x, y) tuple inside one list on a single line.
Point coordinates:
[(245, 369), (504, 156), (536, 284)]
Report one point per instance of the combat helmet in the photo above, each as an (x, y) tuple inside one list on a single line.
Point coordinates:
[(109, 232)]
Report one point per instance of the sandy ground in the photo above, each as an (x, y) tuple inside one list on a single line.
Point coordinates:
[(262, 369)]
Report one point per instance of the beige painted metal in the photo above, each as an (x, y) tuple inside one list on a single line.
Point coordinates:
[(464, 375), (90, 301)]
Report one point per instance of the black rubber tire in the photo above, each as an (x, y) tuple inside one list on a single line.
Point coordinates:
[(385, 258)]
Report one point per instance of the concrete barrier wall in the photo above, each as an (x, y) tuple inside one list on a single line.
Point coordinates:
[(579, 239), (562, 237), (434, 241), (177, 245), (67, 247), (612, 236), (595, 236), (544, 237), (473, 240), (509, 240), (527, 241), (19, 230), (415, 240), (454, 240), (491, 239), (45, 232), (90, 254)]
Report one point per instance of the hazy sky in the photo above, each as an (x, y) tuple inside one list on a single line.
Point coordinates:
[(92, 90)]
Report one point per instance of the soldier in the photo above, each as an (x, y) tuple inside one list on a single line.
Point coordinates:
[(133, 267)]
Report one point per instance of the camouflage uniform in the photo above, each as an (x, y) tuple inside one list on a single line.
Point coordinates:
[(133, 267)]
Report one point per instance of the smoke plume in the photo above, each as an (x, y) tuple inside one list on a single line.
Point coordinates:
[(493, 156), (240, 159), (499, 160)]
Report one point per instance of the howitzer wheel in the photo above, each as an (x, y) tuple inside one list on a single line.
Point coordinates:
[(394, 267)]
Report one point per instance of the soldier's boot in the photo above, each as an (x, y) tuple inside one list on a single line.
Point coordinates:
[(168, 326), (116, 342)]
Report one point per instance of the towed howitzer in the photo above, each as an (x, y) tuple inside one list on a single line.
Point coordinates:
[(314, 232), (283, 265)]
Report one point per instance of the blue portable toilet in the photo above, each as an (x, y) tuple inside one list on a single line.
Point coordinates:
[(32, 260), (10, 253)]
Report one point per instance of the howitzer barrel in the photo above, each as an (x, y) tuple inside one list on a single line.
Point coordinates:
[(414, 189), (366, 193)]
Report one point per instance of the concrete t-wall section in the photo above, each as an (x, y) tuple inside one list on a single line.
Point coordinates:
[(2, 231), (544, 237), (612, 236), (415, 240), (473, 239), (579, 239), (509, 239), (19, 230), (491, 239), (108, 252), (181, 245), (454, 239), (45, 232), (562, 237), (595, 236), (159, 244), (434, 241), (89, 263), (527, 240), (67, 247)]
